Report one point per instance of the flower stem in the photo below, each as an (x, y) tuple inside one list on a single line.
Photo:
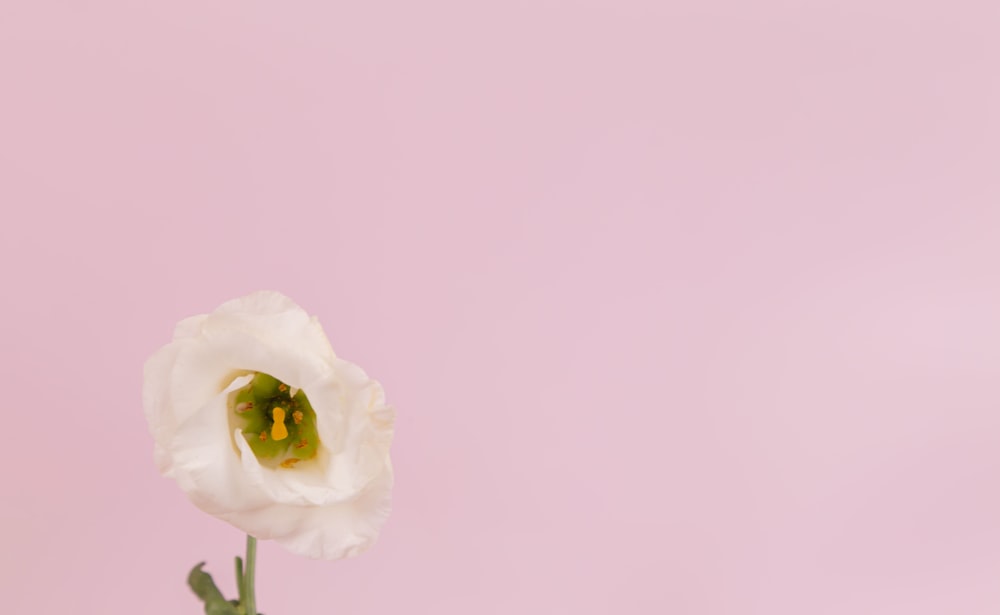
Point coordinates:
[(247, 592)]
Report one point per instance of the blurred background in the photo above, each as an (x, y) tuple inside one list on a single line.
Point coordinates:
[(685, 307)]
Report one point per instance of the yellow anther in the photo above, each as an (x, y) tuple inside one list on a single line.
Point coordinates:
[(291, 461), (279, 431), (297, 416)]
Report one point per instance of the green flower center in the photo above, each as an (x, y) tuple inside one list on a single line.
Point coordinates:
[(279, 427)]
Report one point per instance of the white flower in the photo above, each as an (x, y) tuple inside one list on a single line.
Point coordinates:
[(307, 465)]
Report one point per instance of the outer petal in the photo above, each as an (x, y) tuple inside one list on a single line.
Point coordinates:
[(205, 464), (324, 532), (271, 315), (156, 403), (189, 327)]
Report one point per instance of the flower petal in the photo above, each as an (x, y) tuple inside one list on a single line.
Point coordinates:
[(156, 403), (189, 327), (340, 530), (272, 315), (206, 464)]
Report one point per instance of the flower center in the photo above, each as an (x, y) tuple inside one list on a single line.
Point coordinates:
[(279, 424)]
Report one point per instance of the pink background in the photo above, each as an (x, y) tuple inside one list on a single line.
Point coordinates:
[(685, 307)]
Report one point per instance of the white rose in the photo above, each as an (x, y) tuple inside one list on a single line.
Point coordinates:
[(317, 480)]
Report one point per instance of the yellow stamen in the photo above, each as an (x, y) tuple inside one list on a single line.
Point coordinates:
[(291, 461), (297, 416), (279, 431)]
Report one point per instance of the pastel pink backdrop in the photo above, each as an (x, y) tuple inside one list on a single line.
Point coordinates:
[(686, 307)]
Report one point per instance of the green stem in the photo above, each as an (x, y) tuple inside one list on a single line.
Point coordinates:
[(247, 594)]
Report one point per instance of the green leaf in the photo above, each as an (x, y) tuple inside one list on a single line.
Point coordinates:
[(240, 579), (221, 608), (204, 587)]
